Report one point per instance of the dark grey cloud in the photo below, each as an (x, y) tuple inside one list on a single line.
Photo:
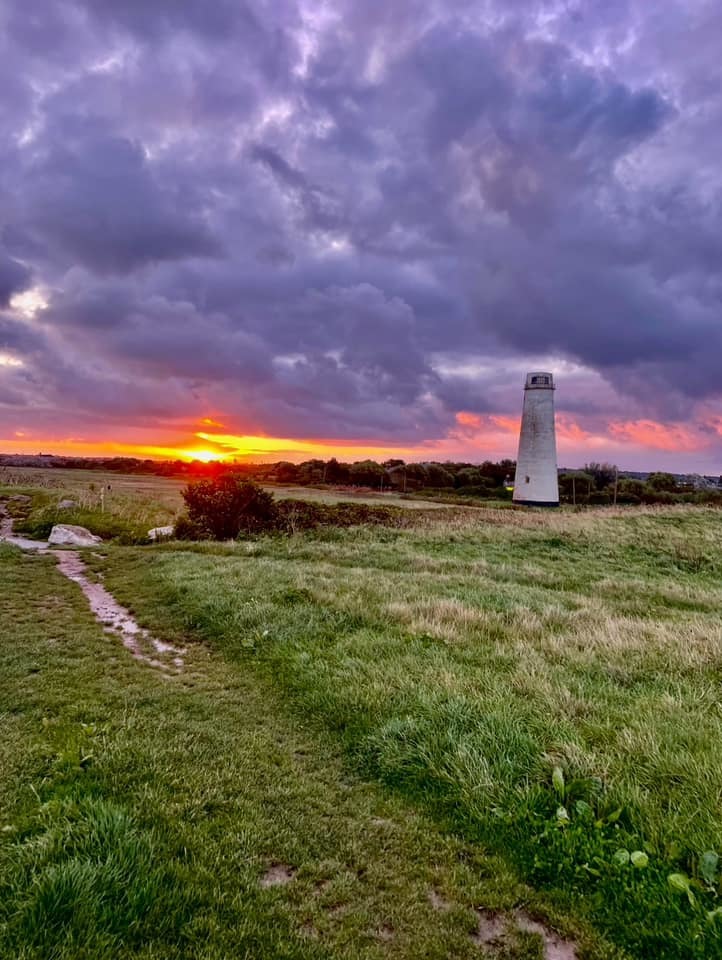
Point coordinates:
[(318, 209), (94, 198), (18, 337), (290, 211), (14, 277)]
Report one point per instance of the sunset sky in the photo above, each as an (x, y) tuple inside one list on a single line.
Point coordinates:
[(291, 228)]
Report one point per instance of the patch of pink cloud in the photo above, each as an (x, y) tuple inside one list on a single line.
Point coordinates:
[(466, 419), (671, 437), (570, 433)]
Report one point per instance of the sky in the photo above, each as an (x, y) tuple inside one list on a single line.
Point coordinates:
[(276, 229)]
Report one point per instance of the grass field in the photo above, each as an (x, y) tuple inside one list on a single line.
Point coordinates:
[(131, 493), (124, 507), (530, 699), (194, 817)]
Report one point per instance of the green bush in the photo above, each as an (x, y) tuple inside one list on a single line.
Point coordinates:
[(228, 505), (186, 529), (295, 515)]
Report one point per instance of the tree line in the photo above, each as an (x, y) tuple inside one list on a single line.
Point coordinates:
[(594, 484), (603, 484)]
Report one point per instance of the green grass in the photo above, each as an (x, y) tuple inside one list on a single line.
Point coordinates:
[(456, 663), (460, 662), (346, 495), (163, 494), (85, 485), (139, 814), (124, 507), (124, 514)]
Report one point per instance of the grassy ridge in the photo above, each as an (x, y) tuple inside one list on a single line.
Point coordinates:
[(191, 817), (463, 661)]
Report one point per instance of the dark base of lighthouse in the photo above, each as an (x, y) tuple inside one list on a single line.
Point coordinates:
[(536, 503)]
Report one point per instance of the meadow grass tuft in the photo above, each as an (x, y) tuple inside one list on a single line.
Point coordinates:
[(90, 878)]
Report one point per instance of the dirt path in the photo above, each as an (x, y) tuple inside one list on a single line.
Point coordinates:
[(6, 533), (114, 618)]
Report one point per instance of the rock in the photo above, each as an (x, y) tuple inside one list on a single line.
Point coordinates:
[(67, 504), (67, 534), (20, 498), (161, 533)]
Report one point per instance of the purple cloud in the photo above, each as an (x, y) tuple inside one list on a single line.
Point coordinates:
[(331, 222)]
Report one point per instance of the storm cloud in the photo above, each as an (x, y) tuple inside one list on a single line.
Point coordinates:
[(358, 221)]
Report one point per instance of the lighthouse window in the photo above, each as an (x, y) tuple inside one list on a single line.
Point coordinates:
[(526, 479), (542, 381)]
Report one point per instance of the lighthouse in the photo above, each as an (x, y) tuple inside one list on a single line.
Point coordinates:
[(536, 483)]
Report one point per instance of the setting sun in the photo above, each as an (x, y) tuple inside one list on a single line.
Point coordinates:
[(205, 456)]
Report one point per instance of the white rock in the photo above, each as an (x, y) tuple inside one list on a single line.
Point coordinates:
[(67, 504), (160, 533), (68, 534)]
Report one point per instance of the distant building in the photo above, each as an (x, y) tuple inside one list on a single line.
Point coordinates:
[(536, 483)]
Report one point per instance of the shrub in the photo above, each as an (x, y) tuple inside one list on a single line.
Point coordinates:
[(228, 505), (220, 509), (295, 515), (186, 529), (486, 490)]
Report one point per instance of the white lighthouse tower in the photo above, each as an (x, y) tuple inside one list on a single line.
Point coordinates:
[(536, 483)]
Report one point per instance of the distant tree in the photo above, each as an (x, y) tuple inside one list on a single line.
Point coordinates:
[(368, 473), (336, 472), (602, 473), (438, 476), (415, 476), (397, 476), (498, 472), (411, 476), (311, 471), (575, 486), (286, 472), (630, 490), (469, 477), (662, 481)]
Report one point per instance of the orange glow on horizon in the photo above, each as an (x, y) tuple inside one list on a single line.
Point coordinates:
[(285, 448), (473, 437)]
